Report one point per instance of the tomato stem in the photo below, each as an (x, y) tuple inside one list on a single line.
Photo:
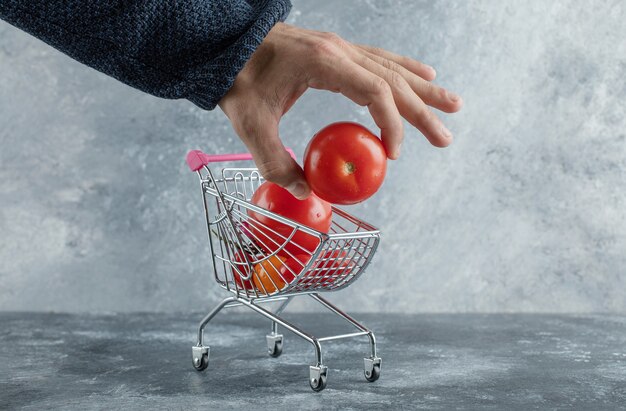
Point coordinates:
[(350, 168)]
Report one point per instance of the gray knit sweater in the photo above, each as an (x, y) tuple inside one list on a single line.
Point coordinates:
[(189, 49)]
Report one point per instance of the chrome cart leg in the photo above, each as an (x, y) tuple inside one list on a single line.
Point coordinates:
[(372, 365), (317, 373), (274, 339), (200, 353)]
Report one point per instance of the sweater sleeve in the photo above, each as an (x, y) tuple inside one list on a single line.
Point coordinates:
[(173, 49)]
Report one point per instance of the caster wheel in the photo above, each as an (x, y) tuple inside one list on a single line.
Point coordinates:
[(276, 351), (372, 369), (372, 375), (275, 345), (318, 385), (200, 358), (317, 377)]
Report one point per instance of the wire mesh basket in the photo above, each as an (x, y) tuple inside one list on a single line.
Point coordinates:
[(239, 243)]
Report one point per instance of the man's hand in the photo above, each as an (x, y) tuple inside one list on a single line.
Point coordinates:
[(291, 59)]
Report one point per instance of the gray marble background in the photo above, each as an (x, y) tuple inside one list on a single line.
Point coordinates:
[(525, 212)]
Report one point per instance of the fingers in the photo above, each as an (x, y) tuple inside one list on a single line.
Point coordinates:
[(366, 89), (275, 164), (430, 93), (423, 70), (410, 105), (391, 86)]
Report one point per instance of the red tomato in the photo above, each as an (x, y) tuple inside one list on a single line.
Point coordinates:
[(241, 270), (278, 271), (345, 163), (334, 264), (267, 279), (293, 266), (312, 212)]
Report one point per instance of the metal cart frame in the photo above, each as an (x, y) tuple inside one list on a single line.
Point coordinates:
[(244, 249)]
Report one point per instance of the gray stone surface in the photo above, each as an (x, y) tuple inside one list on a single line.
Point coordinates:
[(430, 361), (525, 212)]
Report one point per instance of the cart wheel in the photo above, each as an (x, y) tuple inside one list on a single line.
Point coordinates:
[(274, 345), (277, 350), (200, 358), (372, 369), (317, 377), (372, 375), (318, 385)]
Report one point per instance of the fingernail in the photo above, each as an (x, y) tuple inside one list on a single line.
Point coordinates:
[(431, 68), (453, 97), (447, 134), (298, 190)]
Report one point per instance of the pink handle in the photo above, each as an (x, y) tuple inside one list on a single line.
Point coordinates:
[(196, 159)]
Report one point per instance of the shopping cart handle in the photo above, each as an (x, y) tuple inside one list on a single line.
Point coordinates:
[(196, 159)]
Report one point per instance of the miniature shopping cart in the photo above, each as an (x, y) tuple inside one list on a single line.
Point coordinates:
[(247, 255)]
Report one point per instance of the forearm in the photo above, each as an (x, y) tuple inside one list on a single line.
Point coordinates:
[(173, 49)]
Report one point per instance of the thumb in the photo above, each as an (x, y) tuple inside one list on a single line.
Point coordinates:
[(274, 162)]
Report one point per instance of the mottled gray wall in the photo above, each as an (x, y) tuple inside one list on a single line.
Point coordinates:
[(525, 212)]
